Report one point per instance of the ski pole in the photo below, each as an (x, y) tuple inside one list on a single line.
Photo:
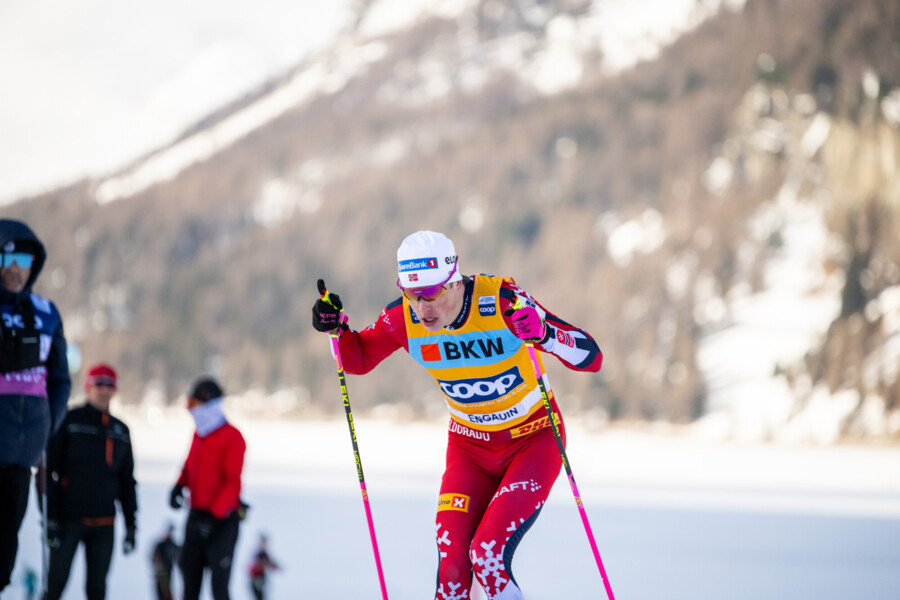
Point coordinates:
[(42, 474), (335, 349), (562, 451)]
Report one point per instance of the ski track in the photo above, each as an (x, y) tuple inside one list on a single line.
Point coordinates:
[(821, 521)]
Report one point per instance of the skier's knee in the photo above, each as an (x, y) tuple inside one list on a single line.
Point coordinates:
[(454, 571)]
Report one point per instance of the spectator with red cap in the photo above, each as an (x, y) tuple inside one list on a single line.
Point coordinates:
[(212, 475), (90, 466)]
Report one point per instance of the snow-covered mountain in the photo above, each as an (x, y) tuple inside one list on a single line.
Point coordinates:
[(547, 49), (707, 187), (89, 86)]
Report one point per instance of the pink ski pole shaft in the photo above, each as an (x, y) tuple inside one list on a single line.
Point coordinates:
[(562, 451), (335, 348)]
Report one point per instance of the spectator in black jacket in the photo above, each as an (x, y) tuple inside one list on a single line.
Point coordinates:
[(34, 378), (90, 466)]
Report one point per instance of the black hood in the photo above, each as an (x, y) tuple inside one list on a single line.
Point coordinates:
[(16, 236)]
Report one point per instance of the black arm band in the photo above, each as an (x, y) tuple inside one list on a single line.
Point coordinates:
[(546, 337)]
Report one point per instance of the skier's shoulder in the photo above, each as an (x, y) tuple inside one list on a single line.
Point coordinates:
[(506, 287), (391, 320)]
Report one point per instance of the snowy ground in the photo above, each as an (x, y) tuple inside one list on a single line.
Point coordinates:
[(674, 516)]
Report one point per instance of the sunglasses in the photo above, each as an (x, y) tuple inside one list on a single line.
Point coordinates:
[(428, 294), (103, 382), (20, 258)]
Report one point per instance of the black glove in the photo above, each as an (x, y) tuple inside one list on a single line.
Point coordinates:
[(176, 497), (54, 533), (327, 315), (128, 544), (202, 523)]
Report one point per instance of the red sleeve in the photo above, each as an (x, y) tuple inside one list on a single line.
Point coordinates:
[(574, 347), (361, 351), (227, 497)]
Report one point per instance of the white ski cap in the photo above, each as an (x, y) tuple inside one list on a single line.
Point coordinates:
[(426, 258)]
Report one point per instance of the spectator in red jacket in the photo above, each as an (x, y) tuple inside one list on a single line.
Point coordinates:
[(212, 475)]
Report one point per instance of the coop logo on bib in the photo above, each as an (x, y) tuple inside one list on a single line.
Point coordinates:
[(482, 389), (487, 305)]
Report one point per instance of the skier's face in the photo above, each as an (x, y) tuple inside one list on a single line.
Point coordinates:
[(441, 312), (15, 277)]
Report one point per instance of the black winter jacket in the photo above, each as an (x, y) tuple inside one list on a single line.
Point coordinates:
[(90, 465), (32, 400)]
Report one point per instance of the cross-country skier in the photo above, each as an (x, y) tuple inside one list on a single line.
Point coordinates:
[(502, 457)]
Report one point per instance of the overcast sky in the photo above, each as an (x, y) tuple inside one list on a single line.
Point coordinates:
[(91, 84)]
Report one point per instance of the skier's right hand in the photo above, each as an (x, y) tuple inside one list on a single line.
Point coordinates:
[(327, 314), (54, 533), (176, 497)]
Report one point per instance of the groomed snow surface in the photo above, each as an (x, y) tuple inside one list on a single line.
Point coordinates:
[(674, 516)]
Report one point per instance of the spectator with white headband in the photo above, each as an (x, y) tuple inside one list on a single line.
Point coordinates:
[(212, 476)]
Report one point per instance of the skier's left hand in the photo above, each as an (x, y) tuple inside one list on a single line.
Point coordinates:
[(129, 543), (527, 324)]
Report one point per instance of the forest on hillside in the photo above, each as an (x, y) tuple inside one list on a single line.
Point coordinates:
[(187, 277)]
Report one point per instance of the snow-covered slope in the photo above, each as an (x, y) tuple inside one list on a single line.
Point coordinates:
[(623, 33), (89, 87)]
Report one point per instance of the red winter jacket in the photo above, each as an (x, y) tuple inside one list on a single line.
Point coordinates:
[(212, 471)]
